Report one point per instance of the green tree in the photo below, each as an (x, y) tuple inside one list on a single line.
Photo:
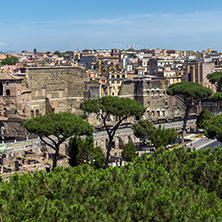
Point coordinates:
[(190, 94), (163, 137), (143, 129), (202, 117), (213, 128), (12, 60), (121, 108), (129, 152), (216, 97), (34, 50), (58, 53), (54, 128), (176, 185), (99, 157), (216, 79), (81, 151)]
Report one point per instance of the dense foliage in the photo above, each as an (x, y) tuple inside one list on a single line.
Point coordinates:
[(190, 94), (120, 108), (54, 128), (175, 185), (12, 60), (163, 137), (82, 151), (216, 79), (129, 152), (213, 128), (143, 129), (202, 117), (216, 97)]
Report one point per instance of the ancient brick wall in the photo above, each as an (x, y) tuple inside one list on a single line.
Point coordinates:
[(152, 95), (63, 87)]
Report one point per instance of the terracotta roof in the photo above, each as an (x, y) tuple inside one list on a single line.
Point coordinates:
[(2, 57)]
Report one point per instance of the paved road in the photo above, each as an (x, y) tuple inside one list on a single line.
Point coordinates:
[(205, 143)]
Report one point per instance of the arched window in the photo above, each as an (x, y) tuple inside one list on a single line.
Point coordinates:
[(37, 112), (7, 92), (32, 113)]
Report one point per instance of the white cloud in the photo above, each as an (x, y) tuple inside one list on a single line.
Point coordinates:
[(2, 44)]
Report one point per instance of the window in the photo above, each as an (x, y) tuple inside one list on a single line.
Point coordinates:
[(32, 113), (7, 83), (27, 102), (37, 112), (7, 92), (163, 113), (18, 92)]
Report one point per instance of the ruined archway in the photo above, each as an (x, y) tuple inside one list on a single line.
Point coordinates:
[(121, 143), (130, 140)]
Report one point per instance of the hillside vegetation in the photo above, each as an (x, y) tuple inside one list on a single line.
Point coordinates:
[(175, 185)]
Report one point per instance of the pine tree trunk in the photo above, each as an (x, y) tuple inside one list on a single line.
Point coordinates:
[(55, 158), (184, 127), (108, 150)]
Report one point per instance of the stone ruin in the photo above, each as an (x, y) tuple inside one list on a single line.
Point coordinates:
[(28, 160)]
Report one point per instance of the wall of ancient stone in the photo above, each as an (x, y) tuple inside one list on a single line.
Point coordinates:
[(63, 86), (151, 93)]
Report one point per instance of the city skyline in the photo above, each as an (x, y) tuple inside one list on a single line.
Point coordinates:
[(71, 25)]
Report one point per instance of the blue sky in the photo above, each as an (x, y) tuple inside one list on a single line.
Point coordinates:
[(50, 25)]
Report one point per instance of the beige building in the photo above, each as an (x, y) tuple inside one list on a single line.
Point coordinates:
[(115, 80), (13, 95), (151, 93), (197, 72), (58, 89)]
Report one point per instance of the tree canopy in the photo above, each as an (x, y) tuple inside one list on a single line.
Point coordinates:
[(202, 117), (121, 108), (216, 97), (216, 79), (12, 60), (129, 152), (82, 151), (177, 185), (213, 128), (143, 129), (54, 128), (190, 94), (163, 137)]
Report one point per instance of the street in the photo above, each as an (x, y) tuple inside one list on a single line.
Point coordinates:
[(205, 143)]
